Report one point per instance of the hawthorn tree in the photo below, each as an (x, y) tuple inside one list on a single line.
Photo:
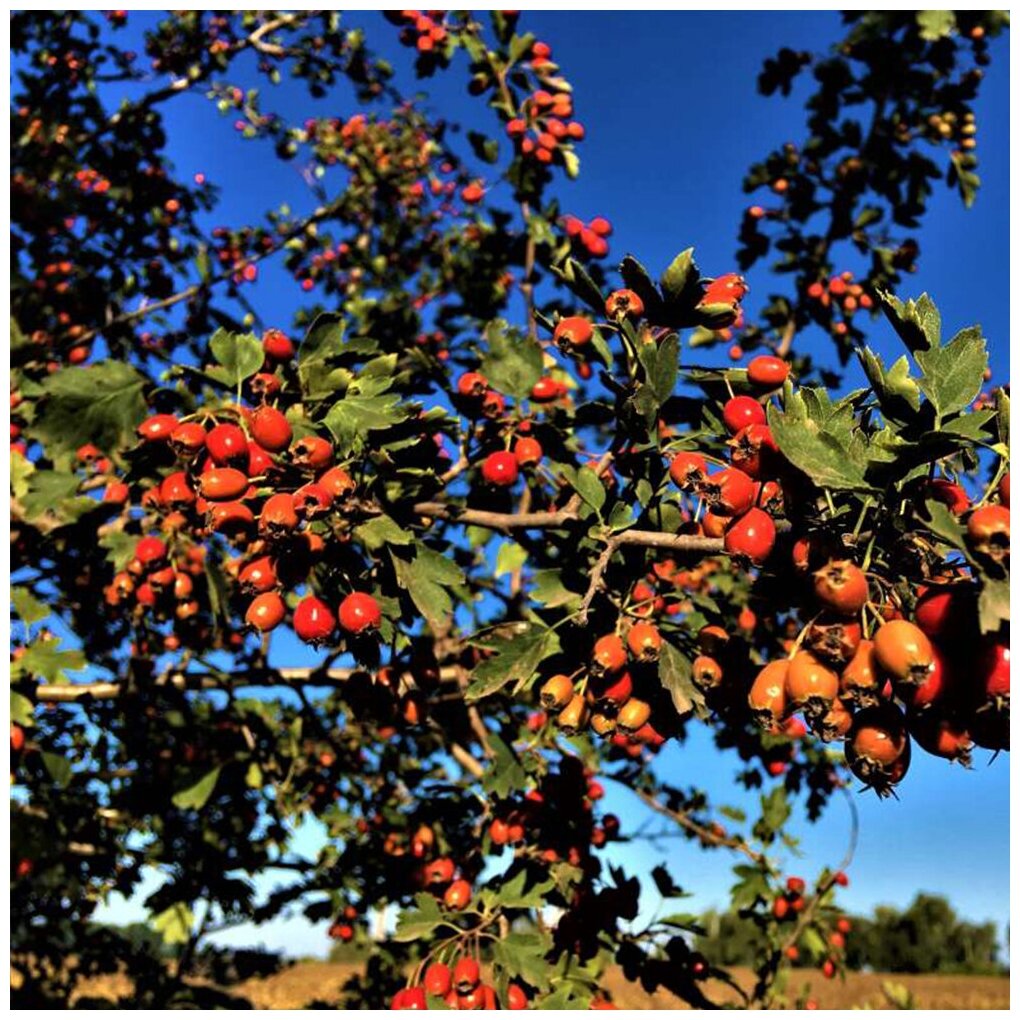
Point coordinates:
[(532, 539)]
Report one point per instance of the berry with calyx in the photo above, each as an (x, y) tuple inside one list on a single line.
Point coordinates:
[(359, 612), (314, 622)]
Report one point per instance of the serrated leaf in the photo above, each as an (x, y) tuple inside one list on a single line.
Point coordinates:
[(174, 923), (238, 355), (45, 660), (576, 277), (382, 531), (350, 419), (504, 774), (100, 403), (29, 609), (821, 452), (120, 547), (521, 890), (195, 796), (935, 25), (511, 363), (917, 322), (953, 375), (423, 578), (941, 522), (662, 378), (896, 383), (515, 660), (675, 677), (1002, 409), (421, 921), (22, 470), (522, 954), (547, 589), (323, 343)]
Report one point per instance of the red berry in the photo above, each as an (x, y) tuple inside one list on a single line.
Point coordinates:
[(227, 444), (265, 612), (752, 535), (314, 622), (739, 412), (500, 468), (359, 612), (277, 345), (150, 551), (270, 429), (767, 371)]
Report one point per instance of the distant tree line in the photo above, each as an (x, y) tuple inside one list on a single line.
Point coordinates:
[(928, 937)]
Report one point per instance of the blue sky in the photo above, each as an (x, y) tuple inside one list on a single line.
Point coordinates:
[(673, 121)]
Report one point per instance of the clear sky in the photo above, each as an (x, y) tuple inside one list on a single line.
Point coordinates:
[(673, 121)]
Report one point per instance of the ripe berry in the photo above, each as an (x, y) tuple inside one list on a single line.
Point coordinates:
[(472, 384), (278, 515), (556, 692), (439, 872), (17, 738), (312, 452), (633, 715), (877, 747), (457, 895), (729, 492), (270, 429), (466, 973), (500, 468), (277, 345), (739, 412), (337, 482), (810, 685), (687, 470), (516, 997), (314, 622), (706, 672), (527, 451), (860, 682), (950, 494), (223, 483), (359, 612), (767, 371), (753, 535), (767, 697), (188, 438), (644, 642), (157, 428), (150, 551), (227, 444), (988, 532), (623, 303), (842, 587), (754, 451), (608, 655), (265, 612), (437, 980), (904, 652), (573, 332)]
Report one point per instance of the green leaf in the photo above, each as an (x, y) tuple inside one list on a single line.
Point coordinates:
[(1002, 409), (352, 418), (953, 374), (511, 363), (29, 609), (45, 660), (22, 470), (522, 954), (892, 386), (49, 492), (174, 923), (935, 25), (58, 766), (420, 922), (196, 795), (382, 531), (504, 774), (823, 452), (515, 660), (775, 810), (680, 280), (100, 403), (993, 604), (662, 378), (675, 677), (510, 558), (239, 356), (574, 275), (22, 710), (917, 322), (323, 343), (590, 489), (519, 889), (120, 547), (424, 578), (547, 589)]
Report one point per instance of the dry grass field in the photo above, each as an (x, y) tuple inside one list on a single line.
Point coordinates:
[(302, 983)]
